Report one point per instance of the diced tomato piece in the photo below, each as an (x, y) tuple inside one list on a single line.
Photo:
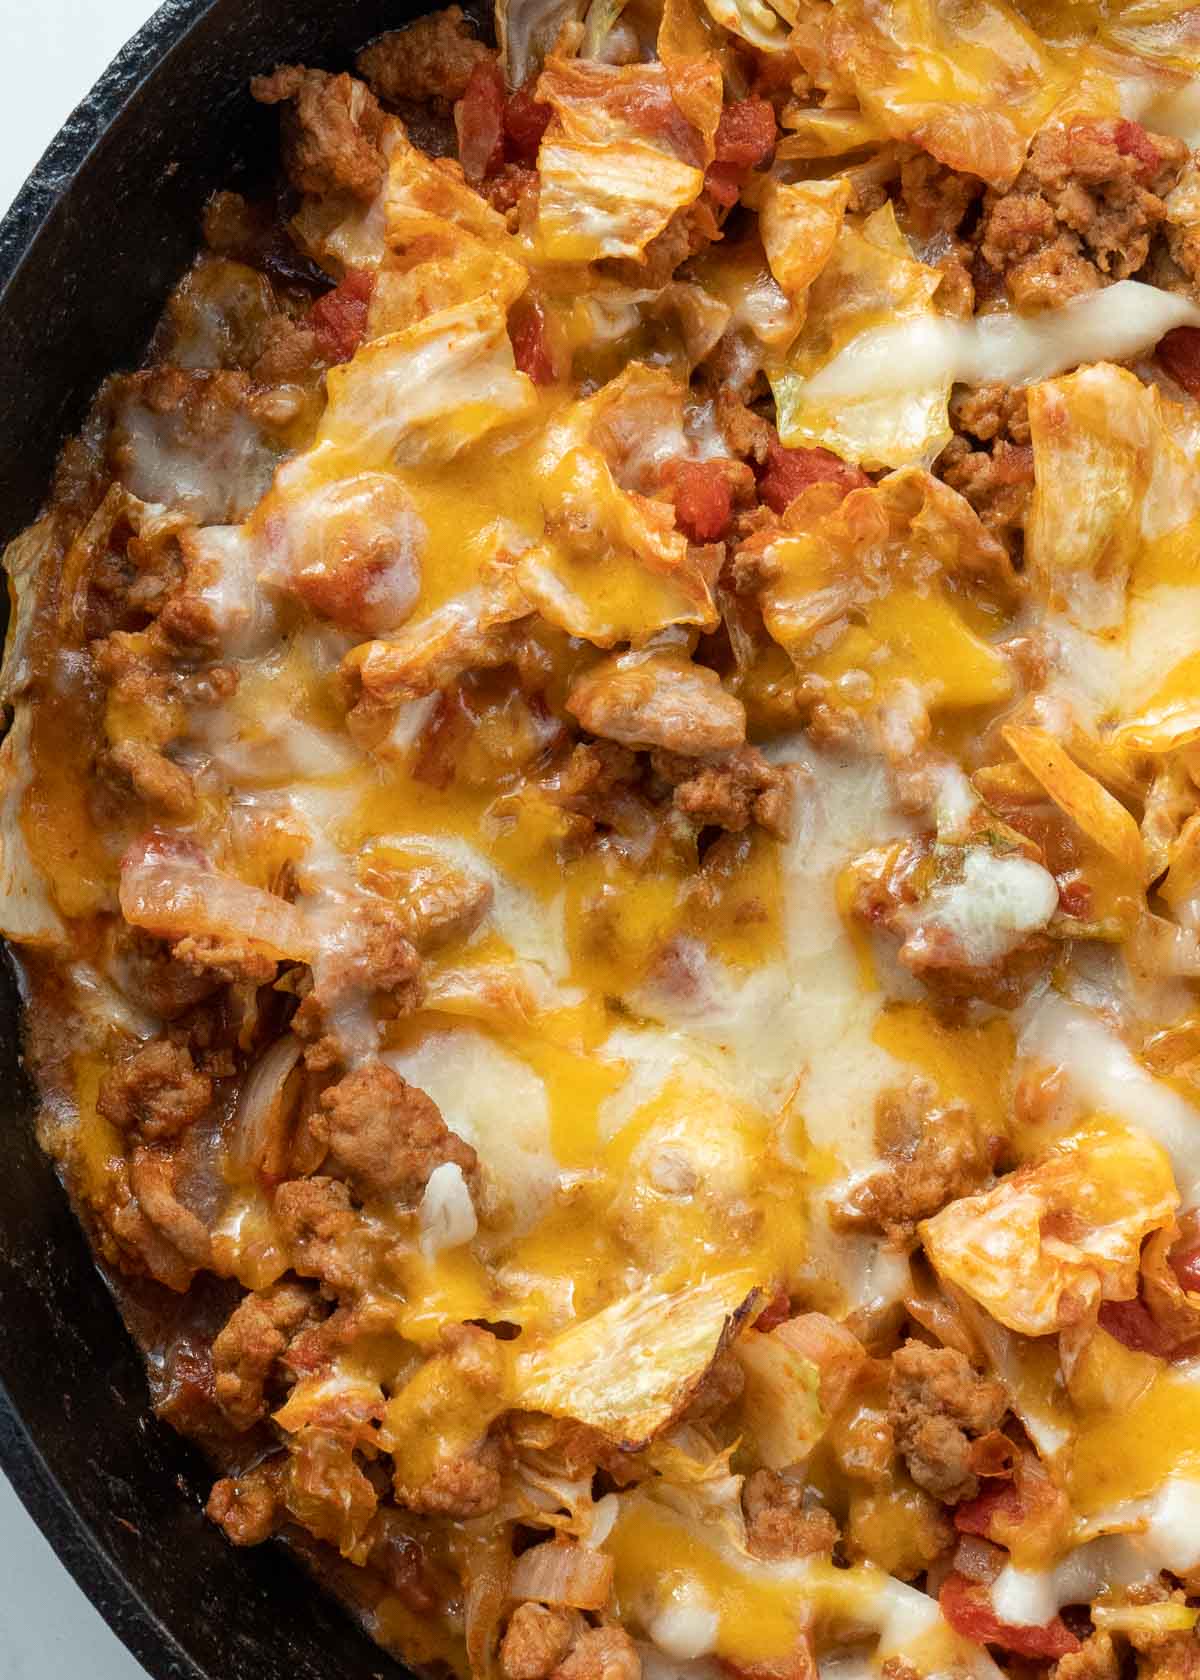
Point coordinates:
[(745, 133), (1075, 899), (1185, 1263), (789, 471), (1179, 353), (532, 351), (339, 319), (776, 1312), (479, 121), (978, 1516), (703, 501), (723, 183), (1132, 1325), (745, 136), (525, 121), (967, 1606), (1132, 140)]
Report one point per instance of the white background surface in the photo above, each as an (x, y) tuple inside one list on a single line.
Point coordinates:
[(53, 50)]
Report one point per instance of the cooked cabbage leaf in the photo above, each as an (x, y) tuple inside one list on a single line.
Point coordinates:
[(869, 279), (424, 394), (620, 157), (1109, 479), (631, 1369), (971, 89), (1057, 1237)]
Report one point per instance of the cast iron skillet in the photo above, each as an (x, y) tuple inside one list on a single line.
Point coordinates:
[(102, 229)]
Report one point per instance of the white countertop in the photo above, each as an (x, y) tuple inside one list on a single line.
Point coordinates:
[(53, 51)]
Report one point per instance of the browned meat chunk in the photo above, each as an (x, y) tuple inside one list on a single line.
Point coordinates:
[(934, 1153), (996, 480), (145, 1227), (157, 1091), (935, 199), (747, 434), (372, 954), (385, 1136), (778, 1524), (316, 1220), (1082, 211), (535, 1642), (431, 59), (152, 777), (742, 789), (936, 1403), (331, 133), (1096, 1659), (468, 1486), (654, 700), (289, 355), (245, 1351), (246, 1507), (225, 960), (603, 1653)]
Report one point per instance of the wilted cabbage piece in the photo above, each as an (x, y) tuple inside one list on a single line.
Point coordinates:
[(631, 1369), (1166, 32), (1109, 478), (420, 197), (1089, 805), (765, 26), (814, 132), (1057, 1237), (799, 226), (870, 278), (613, 567), (760, 312), (973, 93), (882, 553), (796, 1377), (1169, 718), (527, 31), (424, 394), (445, 245), (618, 160)]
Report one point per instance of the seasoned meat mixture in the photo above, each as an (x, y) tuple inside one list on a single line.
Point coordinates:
[(602, 819)]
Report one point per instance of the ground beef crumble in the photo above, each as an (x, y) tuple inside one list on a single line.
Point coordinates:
[(989, 461), (1081, 213), (385, 1136), (937, 1403)]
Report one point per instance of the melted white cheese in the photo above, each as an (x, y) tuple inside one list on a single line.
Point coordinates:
[(1104, 1076), (447, 1214), (496, 1103), (1121, 321), (998, 902)]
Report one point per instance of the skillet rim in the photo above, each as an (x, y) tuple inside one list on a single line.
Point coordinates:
[(68, 152), (75, 1541)]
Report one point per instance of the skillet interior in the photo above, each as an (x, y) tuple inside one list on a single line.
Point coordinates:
[(88, 253)]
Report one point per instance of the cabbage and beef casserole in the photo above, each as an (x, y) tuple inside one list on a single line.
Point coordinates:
[(602, 825)]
